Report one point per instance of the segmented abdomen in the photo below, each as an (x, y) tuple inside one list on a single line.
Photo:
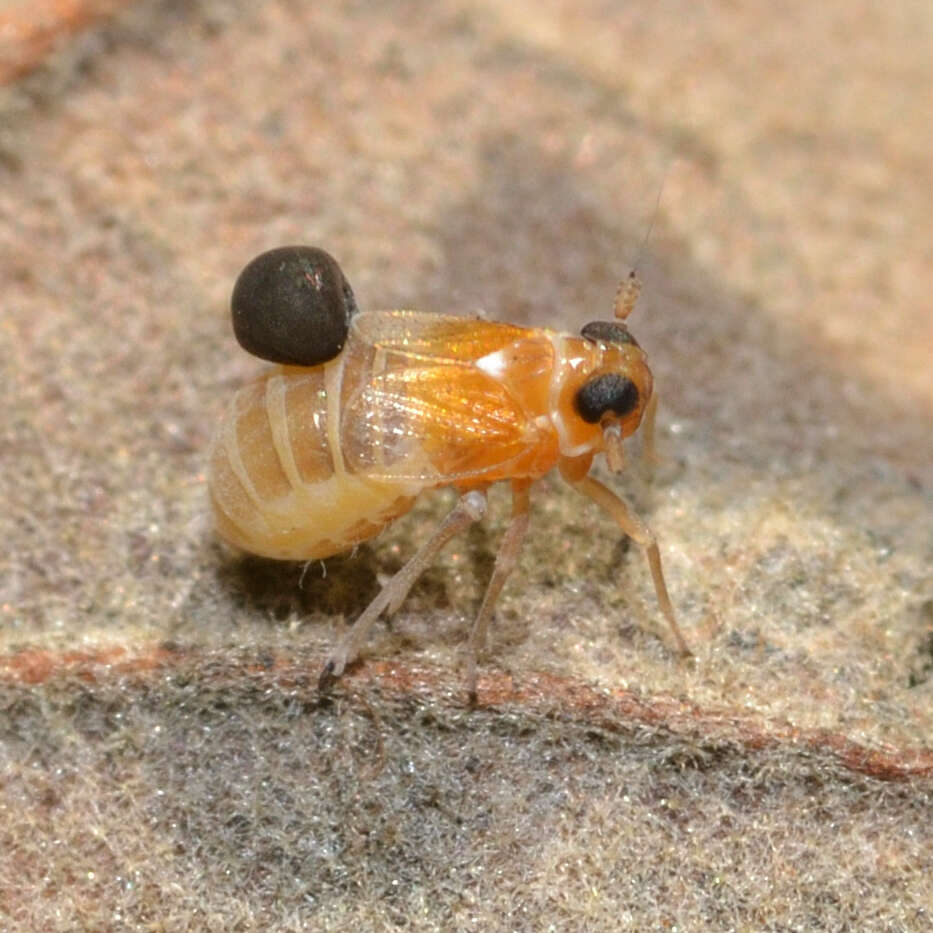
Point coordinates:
[(277, 489)]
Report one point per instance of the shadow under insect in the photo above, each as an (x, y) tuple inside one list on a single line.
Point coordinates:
[(281, 590)]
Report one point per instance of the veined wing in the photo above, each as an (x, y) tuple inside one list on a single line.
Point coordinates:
[(425, 335), (427, 397)]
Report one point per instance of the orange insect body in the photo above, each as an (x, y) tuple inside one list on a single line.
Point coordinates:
[(310, 461)]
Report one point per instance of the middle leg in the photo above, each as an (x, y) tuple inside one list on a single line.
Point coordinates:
[(509, 549)]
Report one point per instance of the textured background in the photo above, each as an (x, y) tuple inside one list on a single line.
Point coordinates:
[(164, 761)]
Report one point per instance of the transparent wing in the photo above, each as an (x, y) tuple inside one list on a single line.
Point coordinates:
[(420, 334), (416, 406)]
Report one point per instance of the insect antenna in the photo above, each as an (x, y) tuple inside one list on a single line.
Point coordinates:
[(627, 295), (630, 287)]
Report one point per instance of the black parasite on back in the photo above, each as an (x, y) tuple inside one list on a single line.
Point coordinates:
[(292, 305)]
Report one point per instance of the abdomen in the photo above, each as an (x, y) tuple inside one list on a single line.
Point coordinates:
[(278, 483)]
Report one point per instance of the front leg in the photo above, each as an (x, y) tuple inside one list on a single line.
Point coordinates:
[(640, 533)]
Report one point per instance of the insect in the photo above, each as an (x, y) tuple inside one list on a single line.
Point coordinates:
[(311, 459)]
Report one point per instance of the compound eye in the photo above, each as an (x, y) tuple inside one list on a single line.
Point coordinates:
[(609, 392), (292, 305), (611, 332)]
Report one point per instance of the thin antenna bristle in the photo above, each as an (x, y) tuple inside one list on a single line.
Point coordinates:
[(630, 287), (651, 223)]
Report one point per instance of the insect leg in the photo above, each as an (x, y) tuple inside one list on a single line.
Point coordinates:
[(642, 535), (649, 449), (509, 549), (470, 508)]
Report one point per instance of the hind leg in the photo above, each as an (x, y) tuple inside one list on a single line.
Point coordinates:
[(470, 508)]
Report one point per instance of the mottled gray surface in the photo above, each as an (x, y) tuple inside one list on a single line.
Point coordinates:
[(457, 156)]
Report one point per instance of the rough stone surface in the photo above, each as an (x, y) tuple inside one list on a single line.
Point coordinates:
[(461, 156)]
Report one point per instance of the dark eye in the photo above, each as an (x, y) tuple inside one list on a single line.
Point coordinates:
[(292, 305), (605, 393), (608, 332)]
